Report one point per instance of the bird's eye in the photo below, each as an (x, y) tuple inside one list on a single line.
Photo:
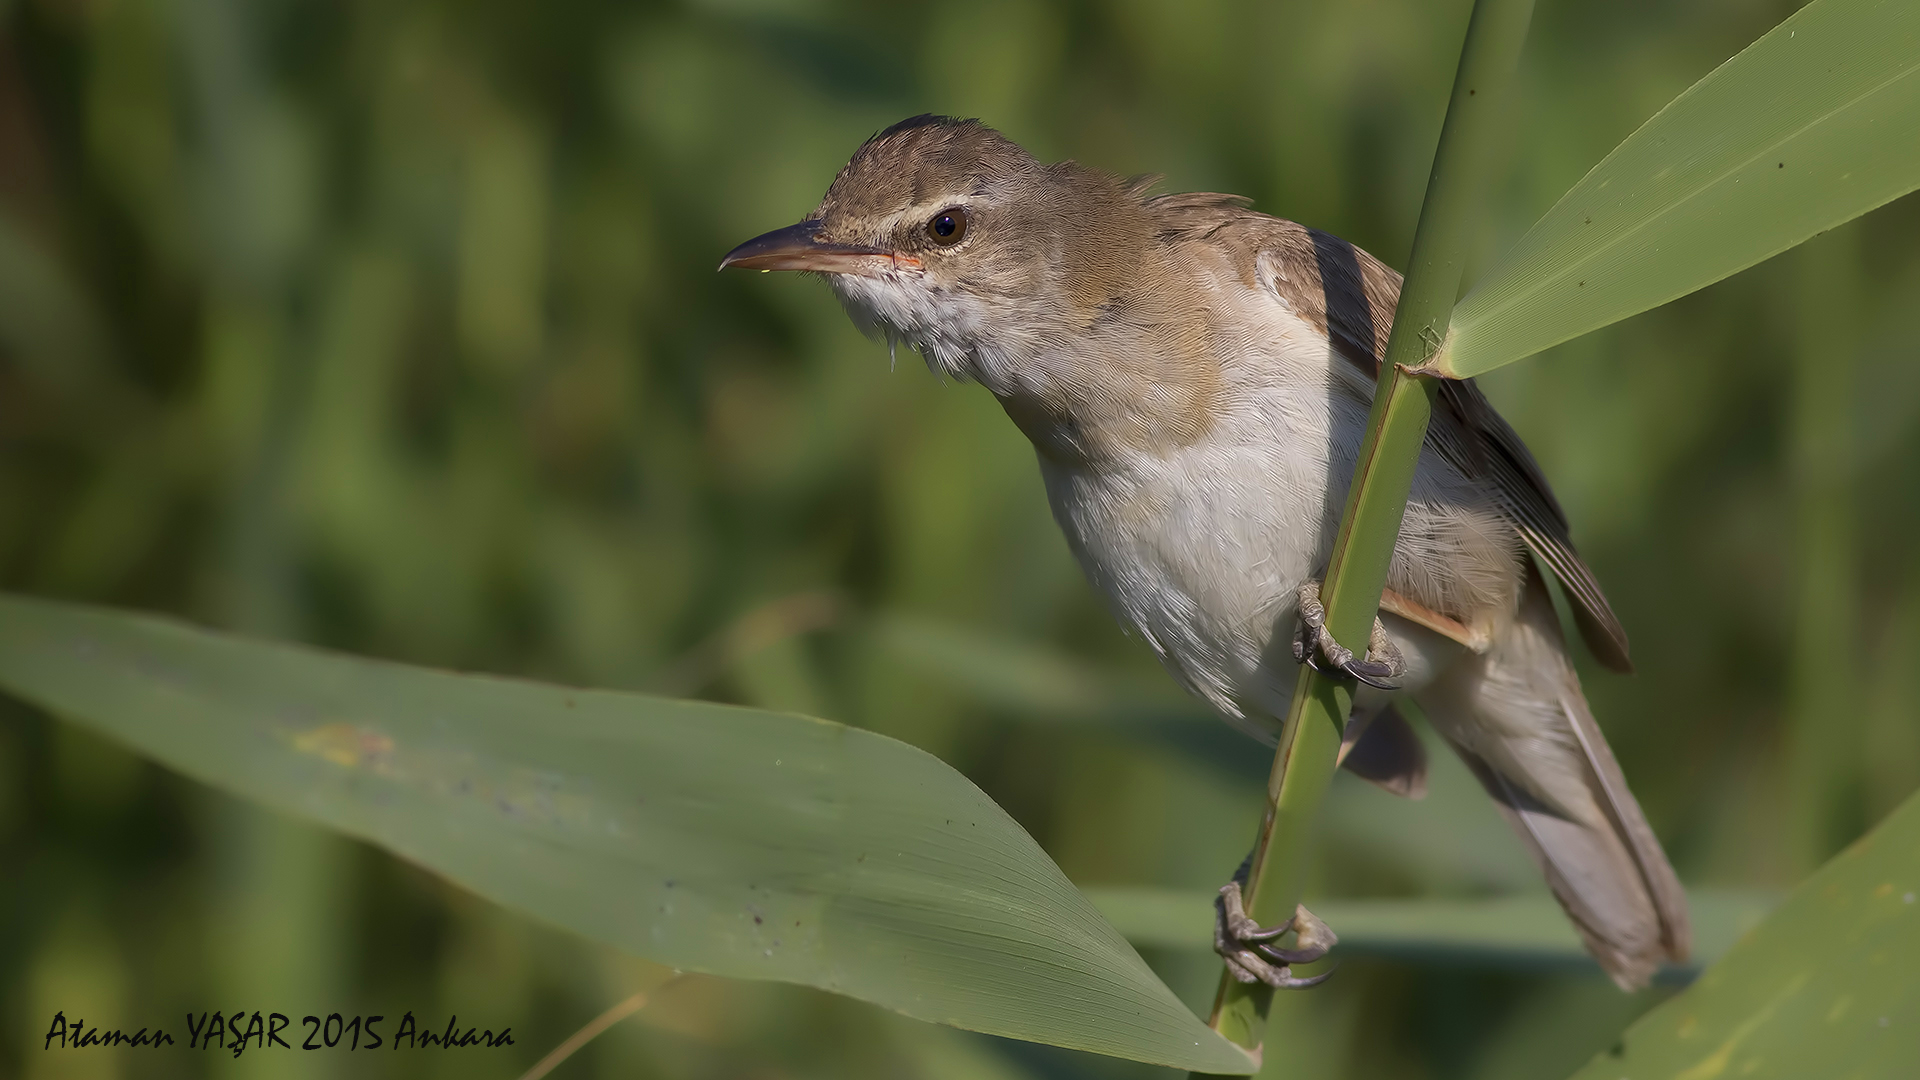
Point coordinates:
[(948, 226)]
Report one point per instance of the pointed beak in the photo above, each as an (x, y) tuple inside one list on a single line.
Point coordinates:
[(799, 247)]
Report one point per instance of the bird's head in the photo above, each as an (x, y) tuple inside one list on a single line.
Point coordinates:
[(946, 235)]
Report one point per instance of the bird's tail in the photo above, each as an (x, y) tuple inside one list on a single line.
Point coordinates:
[(1516, 715)]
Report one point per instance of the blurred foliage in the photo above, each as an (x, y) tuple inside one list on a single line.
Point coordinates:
[(393, 327)]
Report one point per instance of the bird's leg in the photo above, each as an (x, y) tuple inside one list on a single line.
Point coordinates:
[(1313, 643), (1249, 949)]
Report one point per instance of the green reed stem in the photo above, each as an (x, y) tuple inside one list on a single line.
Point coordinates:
[(1382, 479)]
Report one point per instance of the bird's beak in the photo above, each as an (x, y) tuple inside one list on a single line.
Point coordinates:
[(799, 247)]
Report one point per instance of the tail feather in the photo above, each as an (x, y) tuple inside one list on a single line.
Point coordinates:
[(1518, 719), (1656, 874)]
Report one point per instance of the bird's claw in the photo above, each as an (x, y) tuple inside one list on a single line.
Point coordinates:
[(1249, 949), (1315, 646)]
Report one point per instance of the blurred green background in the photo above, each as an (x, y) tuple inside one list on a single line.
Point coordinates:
[(393, 327)]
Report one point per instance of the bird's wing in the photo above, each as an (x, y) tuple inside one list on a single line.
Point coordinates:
[(1352, 296), (1361, 294), (1529, 503)]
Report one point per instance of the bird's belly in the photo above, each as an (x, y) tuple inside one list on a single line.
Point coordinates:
[(1202, 552)]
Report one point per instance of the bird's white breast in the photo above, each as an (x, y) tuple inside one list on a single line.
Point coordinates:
[(1202, 549)]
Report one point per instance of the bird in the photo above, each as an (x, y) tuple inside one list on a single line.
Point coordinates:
[(1195, 378)]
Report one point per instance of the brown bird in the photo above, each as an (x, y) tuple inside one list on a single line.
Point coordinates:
[(1195, 378)]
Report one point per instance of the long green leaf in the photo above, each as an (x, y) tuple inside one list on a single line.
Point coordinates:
[(1828, 986), (751, 844), (1815, 123), (1525, 931)]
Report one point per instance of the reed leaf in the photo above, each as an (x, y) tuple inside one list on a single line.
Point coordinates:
[(732, 841), (1813, 124), (1826, 986)]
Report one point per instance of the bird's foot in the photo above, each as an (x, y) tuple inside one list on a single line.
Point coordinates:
[(1250, 950), (1314, 645)]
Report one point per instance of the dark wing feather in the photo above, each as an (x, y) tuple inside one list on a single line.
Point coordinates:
[(1529, 503)]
